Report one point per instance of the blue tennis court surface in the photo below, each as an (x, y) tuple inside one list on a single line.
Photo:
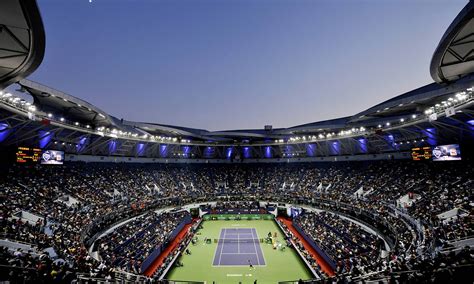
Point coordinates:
[(238, 246)]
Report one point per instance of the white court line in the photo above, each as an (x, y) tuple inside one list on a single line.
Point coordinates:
[(254, 234), (252, 253), (263, 254), (215, 251), (225, 266), (222, 247), (255, 247), (238, 243)]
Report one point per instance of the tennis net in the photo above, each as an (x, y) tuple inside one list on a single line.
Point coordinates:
[(238, 241)]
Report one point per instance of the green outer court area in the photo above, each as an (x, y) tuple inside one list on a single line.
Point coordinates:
[(280, 265)]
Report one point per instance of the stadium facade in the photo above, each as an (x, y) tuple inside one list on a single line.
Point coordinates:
[(439, 113)]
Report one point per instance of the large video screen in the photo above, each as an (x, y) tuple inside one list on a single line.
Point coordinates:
[(447, 153), (27, 155), (421, 153), (52, 157)]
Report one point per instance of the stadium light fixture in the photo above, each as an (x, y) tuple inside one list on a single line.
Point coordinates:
[(379, 126), (402, 119), (413, 116), (50, 115), (62, 119), (77, 123), (387, 124)]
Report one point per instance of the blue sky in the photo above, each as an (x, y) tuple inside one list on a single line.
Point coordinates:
[(226, 64)]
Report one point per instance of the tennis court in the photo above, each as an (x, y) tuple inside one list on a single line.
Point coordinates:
[(237, 247), (272, 266)]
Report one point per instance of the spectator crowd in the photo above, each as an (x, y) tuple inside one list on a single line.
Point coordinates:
[(76, 202)]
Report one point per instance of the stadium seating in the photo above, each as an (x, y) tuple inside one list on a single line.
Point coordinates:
[(110, 193)]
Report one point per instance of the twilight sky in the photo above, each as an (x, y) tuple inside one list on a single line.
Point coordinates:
[(226, 64)]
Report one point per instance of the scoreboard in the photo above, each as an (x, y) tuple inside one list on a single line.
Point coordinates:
[(421, 153), (27, 155)]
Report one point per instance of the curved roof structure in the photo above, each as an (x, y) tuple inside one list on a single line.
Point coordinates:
[(454, 56), (22, 40), (412, 103), (53, 101), (435, 113)]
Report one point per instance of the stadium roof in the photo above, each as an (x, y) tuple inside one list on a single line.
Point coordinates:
[(51, 100), (454, 56), (405, 106), (22, 40), (440, 112), (411, 103)]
